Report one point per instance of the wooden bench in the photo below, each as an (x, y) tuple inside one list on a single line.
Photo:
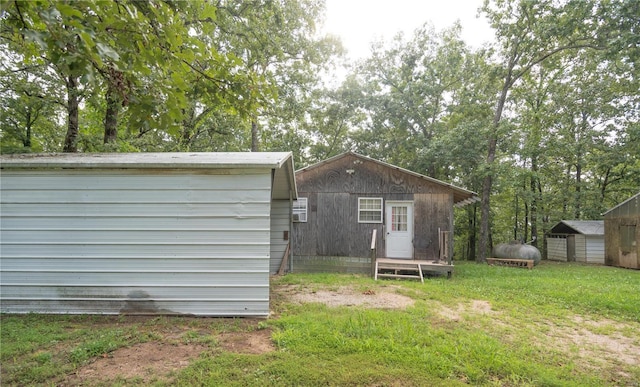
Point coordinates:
[(528, 263)]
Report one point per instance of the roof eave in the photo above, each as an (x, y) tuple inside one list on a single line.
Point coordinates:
[(471, 196)]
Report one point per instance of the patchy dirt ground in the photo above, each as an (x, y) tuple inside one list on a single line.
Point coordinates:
[(174, 349), (157, 360), (347, 296), (144, 362), (582, 336)]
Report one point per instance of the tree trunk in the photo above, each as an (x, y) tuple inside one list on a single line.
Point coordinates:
[(487, 183), (525, 236), (73, 101), (26, 142), (114, 102), (515, 219), (471, 254), (534, 203), (254, 136), (578, 200)]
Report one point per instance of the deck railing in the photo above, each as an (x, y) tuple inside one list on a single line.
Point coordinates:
[(373, 251)]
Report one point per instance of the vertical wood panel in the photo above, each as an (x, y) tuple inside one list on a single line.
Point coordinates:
[(334, 219), (333, 228)]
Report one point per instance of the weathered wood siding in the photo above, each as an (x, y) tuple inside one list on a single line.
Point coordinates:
[(614, 254), (327, 264), (332, 228), (433, 212), (132, 241), (623, 219)]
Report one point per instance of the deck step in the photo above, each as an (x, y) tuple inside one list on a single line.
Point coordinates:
[(399, 276), (396, 266)]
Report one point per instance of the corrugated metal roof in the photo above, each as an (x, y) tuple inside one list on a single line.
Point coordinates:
[(148, 160), (461, 196), (284, 186), (585, 227)]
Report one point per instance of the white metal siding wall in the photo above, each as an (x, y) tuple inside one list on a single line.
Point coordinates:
[(581, 248), (280, 222), (595, 249), (135, 242), (557, 249)]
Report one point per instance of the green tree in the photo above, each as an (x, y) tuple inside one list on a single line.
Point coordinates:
[(139, 54), (407, 89), (31, 97), (528, 34)]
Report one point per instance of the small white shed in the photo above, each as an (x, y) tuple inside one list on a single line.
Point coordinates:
[(576, 241), (144, 233)]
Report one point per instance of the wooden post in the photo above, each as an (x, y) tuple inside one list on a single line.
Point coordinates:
[(373, 252), (285, 259), (444, 241)]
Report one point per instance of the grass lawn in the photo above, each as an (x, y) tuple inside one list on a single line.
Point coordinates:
[(555, 325)]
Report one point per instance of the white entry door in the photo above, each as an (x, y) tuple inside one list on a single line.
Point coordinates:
[(399, 229)]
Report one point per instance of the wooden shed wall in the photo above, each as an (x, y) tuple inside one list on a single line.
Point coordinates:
[(622, 234), (614, 254), (143, 242), (332, 228)]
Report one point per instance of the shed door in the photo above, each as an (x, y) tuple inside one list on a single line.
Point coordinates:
[(399, 227), (571, 248), (628, 248)]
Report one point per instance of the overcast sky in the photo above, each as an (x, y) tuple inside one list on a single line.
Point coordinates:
[(359, 22)]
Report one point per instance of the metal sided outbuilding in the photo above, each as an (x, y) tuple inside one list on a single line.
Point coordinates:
[(143, 233), (576, 241), (622, 234)]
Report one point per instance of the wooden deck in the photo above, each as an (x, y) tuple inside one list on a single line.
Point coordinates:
[(409, 268)]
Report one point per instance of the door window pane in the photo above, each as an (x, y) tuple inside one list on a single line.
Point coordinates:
[(399, 218)]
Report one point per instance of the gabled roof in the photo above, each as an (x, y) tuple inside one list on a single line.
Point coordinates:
[(284, 184), (633, 204), (584, 227), (147, 160), (461, 196)]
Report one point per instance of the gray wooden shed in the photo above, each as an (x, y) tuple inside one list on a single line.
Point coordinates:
[(576, 241), (144, 233), (622, 234), (342, 200)]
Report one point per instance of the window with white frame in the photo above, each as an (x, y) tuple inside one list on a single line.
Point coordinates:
[(300, 210), (369, 210)]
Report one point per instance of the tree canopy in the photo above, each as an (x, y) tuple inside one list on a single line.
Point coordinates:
[(544, 123)]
